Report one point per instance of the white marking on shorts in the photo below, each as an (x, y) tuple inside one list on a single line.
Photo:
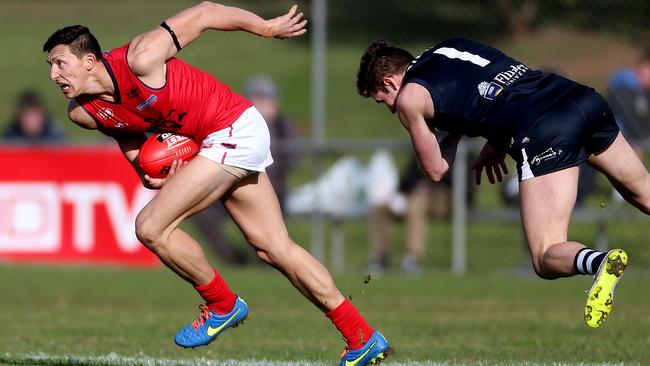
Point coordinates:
[(526, 173)]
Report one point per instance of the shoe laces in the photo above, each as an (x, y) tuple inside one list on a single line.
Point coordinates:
[(345, 352), (203, 316)]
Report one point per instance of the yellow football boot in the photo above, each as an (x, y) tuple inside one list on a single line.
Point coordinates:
[(599, 298)]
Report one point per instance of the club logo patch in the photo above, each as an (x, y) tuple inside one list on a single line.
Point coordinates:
[(489, 90)]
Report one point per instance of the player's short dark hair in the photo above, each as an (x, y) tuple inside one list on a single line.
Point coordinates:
[(380, 59), (29, 99), (78, 38)]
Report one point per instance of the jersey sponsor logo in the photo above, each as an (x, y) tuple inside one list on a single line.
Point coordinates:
[(169, 122), (491, 89), (105, 113), (151, 100), (546, 155), (511, 75)]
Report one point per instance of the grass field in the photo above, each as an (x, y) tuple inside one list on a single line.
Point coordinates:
[(109, 316)]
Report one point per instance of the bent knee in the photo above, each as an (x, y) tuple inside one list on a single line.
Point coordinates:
[(543, 273), (147, 232), (275, 251), (543, 270)]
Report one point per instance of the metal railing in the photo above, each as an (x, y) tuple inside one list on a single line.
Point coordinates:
[(462, 214)]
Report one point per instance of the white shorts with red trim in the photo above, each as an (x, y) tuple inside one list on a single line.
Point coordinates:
[(245, 144)]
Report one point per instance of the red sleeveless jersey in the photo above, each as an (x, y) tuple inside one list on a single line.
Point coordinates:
[(192, 102)]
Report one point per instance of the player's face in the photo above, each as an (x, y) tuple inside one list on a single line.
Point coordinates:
[(387, 97), (388, 93), (67, 70)]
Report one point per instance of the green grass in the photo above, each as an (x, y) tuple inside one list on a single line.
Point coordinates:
[(487, 319)]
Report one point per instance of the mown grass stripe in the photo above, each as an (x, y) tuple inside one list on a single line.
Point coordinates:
[(114, 359)]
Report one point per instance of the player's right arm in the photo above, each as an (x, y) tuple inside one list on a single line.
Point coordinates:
[(414, 106), (149, 51), (129, 144), (80, 117)]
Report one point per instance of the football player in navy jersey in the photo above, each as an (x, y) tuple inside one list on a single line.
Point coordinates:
[(548, 124)]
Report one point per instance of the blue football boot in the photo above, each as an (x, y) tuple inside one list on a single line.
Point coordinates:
[(372, 353), (209, 325)]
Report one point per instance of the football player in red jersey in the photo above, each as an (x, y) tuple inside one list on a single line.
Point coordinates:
[(142, 87)]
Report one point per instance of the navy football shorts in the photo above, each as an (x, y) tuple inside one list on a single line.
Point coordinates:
[(564, 135)]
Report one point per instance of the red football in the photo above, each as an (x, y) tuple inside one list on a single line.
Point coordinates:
[(161, 149)]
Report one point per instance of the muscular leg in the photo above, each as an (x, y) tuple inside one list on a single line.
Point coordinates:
[(254, 207), (546, 205), (419, 202), (194, 187), (626, 172)]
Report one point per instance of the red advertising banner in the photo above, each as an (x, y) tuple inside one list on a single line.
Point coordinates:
[(70, 205)]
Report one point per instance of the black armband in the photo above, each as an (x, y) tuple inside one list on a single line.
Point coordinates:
[(171, 33)]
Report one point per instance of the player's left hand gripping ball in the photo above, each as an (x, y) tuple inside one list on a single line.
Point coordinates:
[(160, 150)]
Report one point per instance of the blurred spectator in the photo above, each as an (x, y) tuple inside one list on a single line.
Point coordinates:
[(32, 123), (263, 93), (628, 95), (420, 200)]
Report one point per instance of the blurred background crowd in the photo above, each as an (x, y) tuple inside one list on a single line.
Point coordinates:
[(355, 215)]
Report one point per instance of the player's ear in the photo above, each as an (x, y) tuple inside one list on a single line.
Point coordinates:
[(90, 60), (389, 82)]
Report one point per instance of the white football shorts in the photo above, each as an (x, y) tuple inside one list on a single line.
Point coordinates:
[(246, 144)]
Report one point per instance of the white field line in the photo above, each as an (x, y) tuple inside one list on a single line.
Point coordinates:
[(114, 359)]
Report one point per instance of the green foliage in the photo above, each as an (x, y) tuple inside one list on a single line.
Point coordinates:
[(233, 57)]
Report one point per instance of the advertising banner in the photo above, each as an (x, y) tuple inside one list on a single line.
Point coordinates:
[(70, 205)]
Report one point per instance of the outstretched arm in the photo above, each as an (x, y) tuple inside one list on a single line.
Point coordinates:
[(414, 106), (149, 51)]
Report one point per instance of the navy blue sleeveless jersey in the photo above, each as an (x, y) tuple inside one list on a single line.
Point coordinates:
[(479, 91)]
